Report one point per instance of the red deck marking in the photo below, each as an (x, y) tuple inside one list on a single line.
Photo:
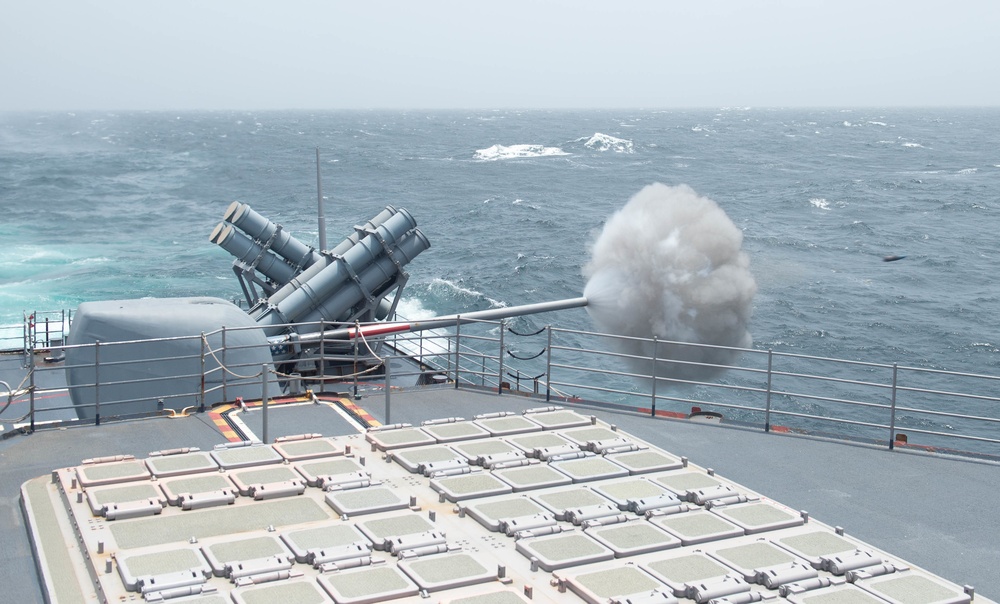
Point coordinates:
[(672, 414)]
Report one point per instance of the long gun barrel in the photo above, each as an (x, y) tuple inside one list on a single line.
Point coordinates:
[(380, 329)]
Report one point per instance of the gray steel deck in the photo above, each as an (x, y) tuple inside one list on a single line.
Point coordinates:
[(932, 511)]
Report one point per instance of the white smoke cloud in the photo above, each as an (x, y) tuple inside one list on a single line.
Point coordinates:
[(669, 265)]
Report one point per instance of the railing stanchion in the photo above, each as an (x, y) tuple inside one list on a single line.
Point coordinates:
[(31, 393), (652, 408), (388, 389), (201, 396), (548, 365), (458, 339), (357, 336), (97, 383), (322, 356), (503, 324), (892, 414), (225, 371), (263, 398), (767, 407)]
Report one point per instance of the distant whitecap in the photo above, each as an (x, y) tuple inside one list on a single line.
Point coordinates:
[(497, 152), (819, 202), (606, 142)]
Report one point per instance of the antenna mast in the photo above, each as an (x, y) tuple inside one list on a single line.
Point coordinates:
[(319, 204)]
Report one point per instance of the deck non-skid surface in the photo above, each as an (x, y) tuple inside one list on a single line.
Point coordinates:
[(472, 511)]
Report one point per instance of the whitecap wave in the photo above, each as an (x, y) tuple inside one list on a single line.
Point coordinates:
[(498, 152), (913, 145), (819, 202), (968, 170), (465, 291), (606, 142)]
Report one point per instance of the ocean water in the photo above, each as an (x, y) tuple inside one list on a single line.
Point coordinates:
[(120, 205)]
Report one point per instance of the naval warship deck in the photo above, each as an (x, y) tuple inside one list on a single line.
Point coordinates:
[(578, 504)]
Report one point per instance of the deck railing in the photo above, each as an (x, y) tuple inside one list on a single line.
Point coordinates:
[(889, 404)]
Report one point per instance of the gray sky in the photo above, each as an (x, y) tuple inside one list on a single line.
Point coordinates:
[(253, 54)]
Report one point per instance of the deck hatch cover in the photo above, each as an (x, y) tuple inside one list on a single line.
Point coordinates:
[(305, 543), (759, 516), (413, 459), (247, 480), (91, 475), (368, 500), (838, 594), (311, 448), (488, 446), (315, 471), (633, 538), (530, 443), (586, 469), (686, 573), (818, 546), (451, 432), (647, 460), (914, 587), (223, 557), (629, 489), (185, 463), (447, 571), (563, 550), (137, 568), (470, 486), (381, 530), (563, 418), (177, 488), (598, 587), (368, 585), (582, 436), (282, 592), (765, 563), (538, 476), (699, 526), (245, 457), (504, 426), (491, 597), (387, 440), (103, 498), (494, 512), (561, 502)]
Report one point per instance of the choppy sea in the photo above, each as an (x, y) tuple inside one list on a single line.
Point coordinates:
[(120, 205)]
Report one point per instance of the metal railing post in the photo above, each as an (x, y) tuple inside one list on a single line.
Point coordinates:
[(767, 407), (31, 393), (388, 402), (652, 408), (201, 396), (503, 325), (357, 336), (97, 383), (458, 336), (548, 365), (892, 414), (322, 356), (263, 399), (225, 365)]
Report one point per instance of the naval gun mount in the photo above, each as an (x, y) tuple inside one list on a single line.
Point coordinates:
[(145, 354), (302, 304)]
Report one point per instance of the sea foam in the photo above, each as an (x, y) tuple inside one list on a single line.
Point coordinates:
[(497, 152), (606, 142)]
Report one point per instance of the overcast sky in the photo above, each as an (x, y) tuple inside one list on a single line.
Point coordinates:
[(413, 54)]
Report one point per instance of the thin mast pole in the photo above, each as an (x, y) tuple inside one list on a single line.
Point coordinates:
[(319, 204)]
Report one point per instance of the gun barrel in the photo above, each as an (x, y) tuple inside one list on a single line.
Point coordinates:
[(380, 329)]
